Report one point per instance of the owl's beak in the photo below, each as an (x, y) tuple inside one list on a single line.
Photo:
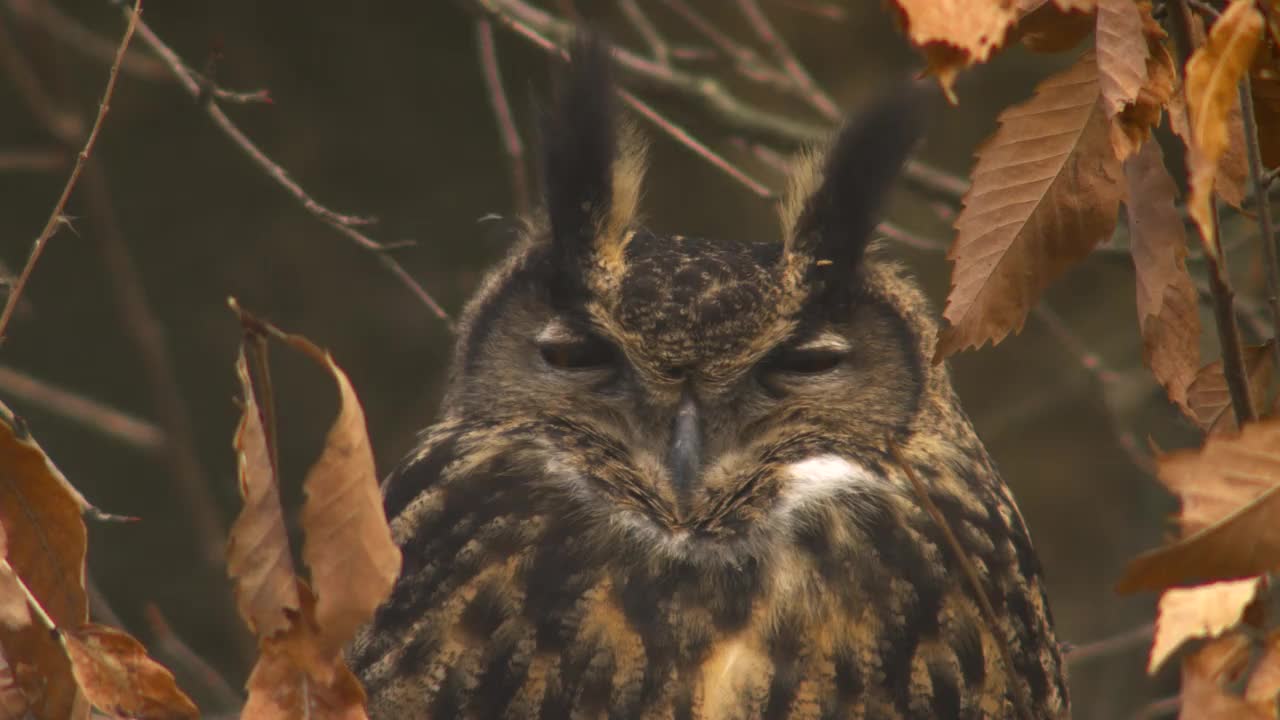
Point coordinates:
[(684, 449)]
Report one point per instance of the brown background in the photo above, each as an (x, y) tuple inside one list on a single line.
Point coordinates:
[(379, 109)]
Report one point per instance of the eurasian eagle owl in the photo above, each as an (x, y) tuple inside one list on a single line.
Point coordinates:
[(670, 479)]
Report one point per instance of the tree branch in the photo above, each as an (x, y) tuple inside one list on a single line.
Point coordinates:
[(1253, 151), (344, 224), (56, 217), (507, 131)]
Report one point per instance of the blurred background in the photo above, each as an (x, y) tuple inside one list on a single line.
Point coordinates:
[(120, 355)]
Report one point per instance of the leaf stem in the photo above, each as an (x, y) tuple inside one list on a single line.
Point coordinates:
[(1257, 174), (1233, 367)]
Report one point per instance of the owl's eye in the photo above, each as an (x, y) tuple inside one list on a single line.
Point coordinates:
[(588, 353), (806, 361)]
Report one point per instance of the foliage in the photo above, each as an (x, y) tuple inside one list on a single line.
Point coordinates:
[(1044, 193)]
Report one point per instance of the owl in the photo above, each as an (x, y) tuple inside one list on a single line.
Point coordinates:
[(675, 478)]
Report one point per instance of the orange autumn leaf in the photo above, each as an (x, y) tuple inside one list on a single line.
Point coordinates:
[(956, 34), (1210, 400), (1205, 611), (120, 679), (14, 611), (296, 678), (1213, 74), (1230, 518), (1168, 306), (1206, 677), (258, 557), (347, 542), (41, 514), (1045, 190)]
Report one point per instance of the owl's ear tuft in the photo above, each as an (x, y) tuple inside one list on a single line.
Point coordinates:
[(593, 163), (836, 196)]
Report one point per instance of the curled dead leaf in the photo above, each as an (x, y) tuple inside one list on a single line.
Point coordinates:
[(956, 34), (1122, 53), (258, 556), (1213, 74), (1205, 677), (1230, 518), (1168, 306), (1205, 611), (347, 544), (295, 677), (1045, 190), (1045, 27), (120, 679), (1131, 127)]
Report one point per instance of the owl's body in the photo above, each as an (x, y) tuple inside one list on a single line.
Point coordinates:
[(668, 481)]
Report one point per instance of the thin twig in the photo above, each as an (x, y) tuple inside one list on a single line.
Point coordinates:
[(511, 143), (83, 411), (533, 22), (747, 62), (1159, 708), (1120, 642), (33, 160), (643, 24), (182, 657), (649, 113), (56, 218), (344, 224), (804, 82), (73, 35), (1263, 210), (1233, 367), (966, 565)]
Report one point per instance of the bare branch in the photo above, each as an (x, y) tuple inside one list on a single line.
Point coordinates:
[(658, 46), (344, 224), (507, 130), (33, 160), (101, 418), (1253, 151), (56, 218), (1121, 642), (180, 656), (804, 82), (75, 36)]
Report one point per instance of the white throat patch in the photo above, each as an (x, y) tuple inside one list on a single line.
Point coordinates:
[(819, 478)]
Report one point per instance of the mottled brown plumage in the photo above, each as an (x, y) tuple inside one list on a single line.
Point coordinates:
[(662, 485)]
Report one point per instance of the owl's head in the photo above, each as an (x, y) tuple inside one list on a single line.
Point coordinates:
[(699, 386)]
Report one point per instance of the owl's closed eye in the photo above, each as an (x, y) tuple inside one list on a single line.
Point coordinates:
[(661, 485)]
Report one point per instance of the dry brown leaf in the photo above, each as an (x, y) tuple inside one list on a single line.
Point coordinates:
[(1264, 682), (1210, 399), (1213, 74), (1206, 611), (1078, 5), (347, 544), (1168, 306), (1122, 53), (13, 701), (1132, 126), (258, 556), (14, 612), (1045, 190), (1230, 492), (296, 677), (1045, 27), (1205, 675), (41, 514), (120, 679), (955, 34)]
